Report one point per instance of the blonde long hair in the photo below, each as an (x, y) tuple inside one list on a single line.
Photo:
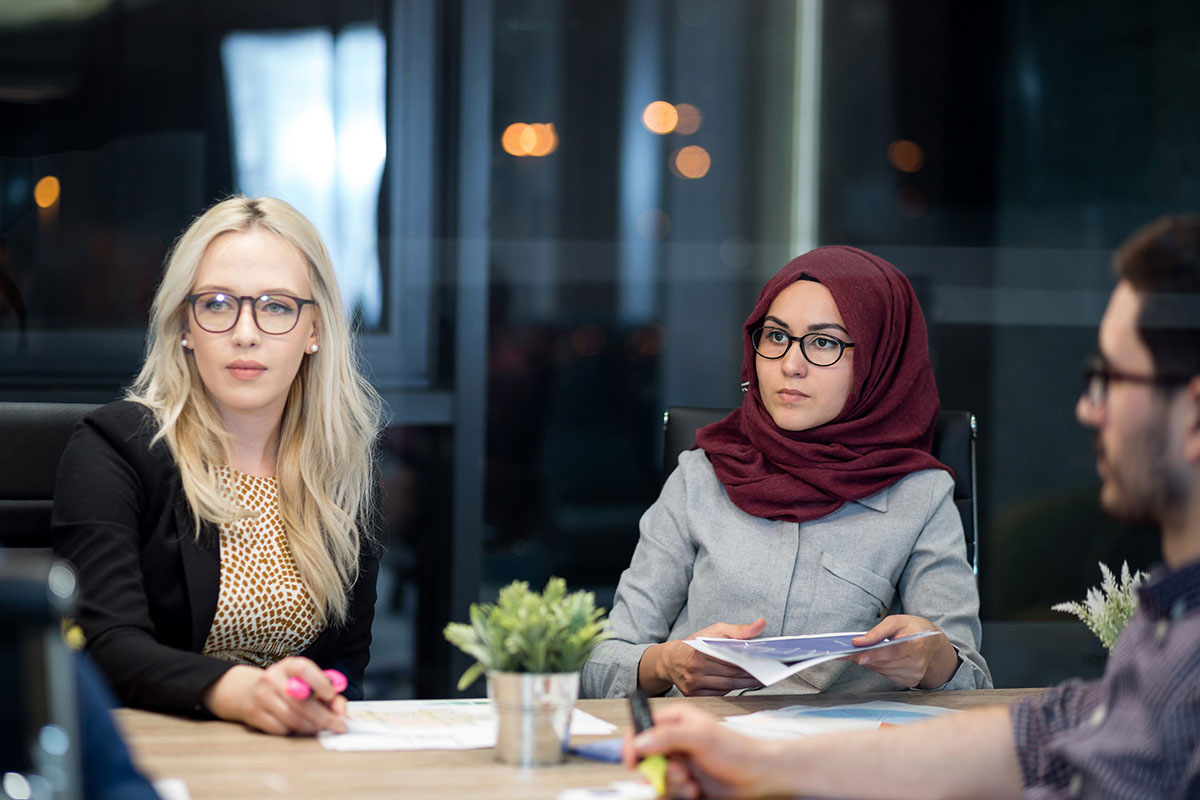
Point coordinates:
[(324, 470)]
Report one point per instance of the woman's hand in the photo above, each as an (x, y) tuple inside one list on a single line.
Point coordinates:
[(706, 759), (692, 672), (259, 698), (926, 663)]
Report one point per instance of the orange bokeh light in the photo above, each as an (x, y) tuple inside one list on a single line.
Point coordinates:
[(660, 117), (47, 191), (511, 140), (692, 161), (906, 156), (521, 139), (689, 118), (545, 140)]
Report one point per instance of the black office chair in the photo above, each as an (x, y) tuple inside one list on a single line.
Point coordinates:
[(33, 437), (953, 445)]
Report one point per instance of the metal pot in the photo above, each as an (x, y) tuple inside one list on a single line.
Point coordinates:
[(534, 713)]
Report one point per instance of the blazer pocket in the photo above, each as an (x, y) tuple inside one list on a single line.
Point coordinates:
[(854, 586)]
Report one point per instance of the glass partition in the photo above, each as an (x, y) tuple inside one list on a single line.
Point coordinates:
[(552, 217)]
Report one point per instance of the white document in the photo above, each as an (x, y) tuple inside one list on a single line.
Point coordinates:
[(774, 658), (432, 725), (617, 790), (171, 789), (794, 721)]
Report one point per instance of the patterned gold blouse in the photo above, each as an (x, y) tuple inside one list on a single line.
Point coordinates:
[(263, 611)]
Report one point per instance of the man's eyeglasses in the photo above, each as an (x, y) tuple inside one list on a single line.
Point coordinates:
[(819, 349), (1097, 375), (274, 314)]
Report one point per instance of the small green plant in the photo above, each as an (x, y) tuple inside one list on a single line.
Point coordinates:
[(529, 632), (1108, 607)]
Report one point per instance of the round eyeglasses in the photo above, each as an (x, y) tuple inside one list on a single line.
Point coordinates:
[(1097, 375), (274, 314), (819, 349)]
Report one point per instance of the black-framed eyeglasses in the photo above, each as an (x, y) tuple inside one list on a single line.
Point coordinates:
[(1097, 375), (274, 314), (819, 349)]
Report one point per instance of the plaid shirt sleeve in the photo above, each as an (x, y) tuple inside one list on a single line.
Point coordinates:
[(1036, 720)]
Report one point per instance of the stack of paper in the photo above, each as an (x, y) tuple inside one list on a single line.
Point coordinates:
[(432, 725), (774, 658)]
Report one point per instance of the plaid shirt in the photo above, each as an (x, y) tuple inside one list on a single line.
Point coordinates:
[(1133, 733)]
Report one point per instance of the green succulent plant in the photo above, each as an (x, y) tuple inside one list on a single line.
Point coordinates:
[(1108, 607), (529, 632)]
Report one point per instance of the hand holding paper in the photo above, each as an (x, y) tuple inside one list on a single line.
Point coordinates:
[(926, 662), (693, 671), (772, 659)]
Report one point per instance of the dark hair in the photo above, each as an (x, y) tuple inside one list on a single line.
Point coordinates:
[(1162, 262)]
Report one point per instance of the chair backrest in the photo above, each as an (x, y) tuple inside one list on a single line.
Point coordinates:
[(32, 438), (953, 445)]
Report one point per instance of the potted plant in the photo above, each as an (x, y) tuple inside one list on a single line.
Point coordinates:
[(1106, 609), (532, 647)]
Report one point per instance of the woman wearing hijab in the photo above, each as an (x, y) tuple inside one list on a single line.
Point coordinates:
[(814, 507)]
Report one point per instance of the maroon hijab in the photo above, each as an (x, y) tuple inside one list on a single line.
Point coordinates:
[(883, 433)]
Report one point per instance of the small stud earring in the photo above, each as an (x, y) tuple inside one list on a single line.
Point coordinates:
[(185, 341), (312, 349)]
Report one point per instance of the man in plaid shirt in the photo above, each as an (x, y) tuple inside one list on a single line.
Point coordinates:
[(1133, 733)]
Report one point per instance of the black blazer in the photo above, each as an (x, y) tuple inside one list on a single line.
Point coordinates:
[(147, 587)]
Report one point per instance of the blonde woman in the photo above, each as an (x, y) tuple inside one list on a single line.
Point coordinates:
[(222, 517)]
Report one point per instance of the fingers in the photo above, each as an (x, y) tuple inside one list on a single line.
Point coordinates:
[(677, 727), (680, 783), (702, 664), (716, 688), (901, 664), (280, 715), (726, 630), (275, 707), (629, 754), (894, 627), (887, 628), (699, 675), (307, 671)]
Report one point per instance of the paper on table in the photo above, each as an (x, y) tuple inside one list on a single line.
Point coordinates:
[(617, 790), (801, 720), (432, 725), (772, 659), (171, 789)]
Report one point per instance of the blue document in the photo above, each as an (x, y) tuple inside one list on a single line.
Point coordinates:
[(791, 649)]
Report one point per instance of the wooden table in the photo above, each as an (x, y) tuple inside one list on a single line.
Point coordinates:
[(228, 761)]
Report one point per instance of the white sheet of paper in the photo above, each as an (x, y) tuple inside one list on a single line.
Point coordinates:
[(767, 671), (171, 789), (432, 725), (617, 790)]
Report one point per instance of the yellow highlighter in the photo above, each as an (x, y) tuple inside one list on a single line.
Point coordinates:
[(654, 767)]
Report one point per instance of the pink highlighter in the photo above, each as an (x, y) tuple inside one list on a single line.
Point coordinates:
[(300, 690)]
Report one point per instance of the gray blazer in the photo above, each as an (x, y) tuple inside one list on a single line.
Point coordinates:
[(701, 560)]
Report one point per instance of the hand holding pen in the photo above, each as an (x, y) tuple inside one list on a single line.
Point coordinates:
[(652, 767), (300, 690), (291, 696)]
